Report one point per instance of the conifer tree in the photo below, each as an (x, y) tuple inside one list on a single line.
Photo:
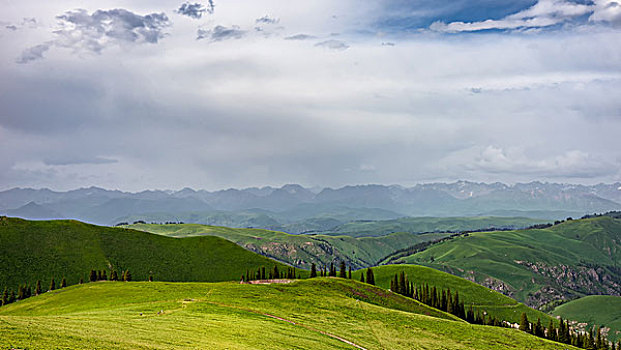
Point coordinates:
[(263, 274), (275, 272), (361, 276), (5, 296), (524, 324), (63, 283), (343, 270), (551, 331), (538, 331), (52, 284), (92, 277), (370, 277), (20, 293), (38, 287), (349, 272), (313, 272), (401, 285)]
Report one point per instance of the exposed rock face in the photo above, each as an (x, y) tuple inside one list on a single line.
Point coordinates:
[(568, 282)]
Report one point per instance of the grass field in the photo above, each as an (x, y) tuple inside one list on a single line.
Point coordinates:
[(482, 299), (600, 310), (569, 260), (300, 250), (40, 250), (310, 314), (431, 224)]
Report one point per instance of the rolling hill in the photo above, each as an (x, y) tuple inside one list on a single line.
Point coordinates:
[(600, 310), (536, 266), (41, 250), (300, 250), (310, 314)]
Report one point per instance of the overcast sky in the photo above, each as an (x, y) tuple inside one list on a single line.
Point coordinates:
[(137, 95)]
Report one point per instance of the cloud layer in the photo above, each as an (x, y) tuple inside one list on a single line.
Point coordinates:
[(326, 93)]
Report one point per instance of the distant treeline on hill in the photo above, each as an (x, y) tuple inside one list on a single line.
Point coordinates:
[(449, 301), (419, 247)]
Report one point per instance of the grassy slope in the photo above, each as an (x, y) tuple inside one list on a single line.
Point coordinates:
[(110, 315), (40, 250), (481, 298), (601, 310), (431, 224), (300, 250), (565, 255)]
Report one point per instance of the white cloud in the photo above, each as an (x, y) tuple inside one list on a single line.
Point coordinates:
[(262, 110), (544, 13)]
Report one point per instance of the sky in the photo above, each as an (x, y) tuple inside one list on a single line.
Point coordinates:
[(136, 94)]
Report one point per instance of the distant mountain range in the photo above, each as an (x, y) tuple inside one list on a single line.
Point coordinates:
[(298, 209)]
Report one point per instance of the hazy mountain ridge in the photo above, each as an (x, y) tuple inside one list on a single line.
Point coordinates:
[(292, 203)]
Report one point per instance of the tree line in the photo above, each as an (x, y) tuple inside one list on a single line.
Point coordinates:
[(274, 273), (450, 302)]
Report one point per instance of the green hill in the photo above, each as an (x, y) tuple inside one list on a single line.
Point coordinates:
[(432, 224), (481, 298), (40, 250), (600, 310), (536, 266), (300, 250), (310, 314)]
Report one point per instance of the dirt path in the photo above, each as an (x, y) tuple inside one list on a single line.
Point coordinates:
[(333, 336)]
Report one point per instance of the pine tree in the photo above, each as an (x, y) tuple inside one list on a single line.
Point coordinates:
[(313, 272), (52, 284), (92, 276), (275, 272), (551, 331), (524, 324), (401, 283), (63, 283), (361, 276), (538, 331), (332, 272), (343, 270), (349, 272), (370, 277), (5, 296), (20, 293), (38, 287)]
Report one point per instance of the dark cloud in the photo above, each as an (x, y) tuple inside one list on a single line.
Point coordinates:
[(267, 20), (300, 37), (219, 33), (33, 53), (82, 31), (333, 45), (11, 27), (195, 10)]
